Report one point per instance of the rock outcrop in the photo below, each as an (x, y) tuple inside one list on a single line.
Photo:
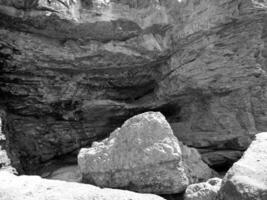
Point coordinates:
[(71, 73), (247, 179), (33, 187), (143, 155), (204, 191)]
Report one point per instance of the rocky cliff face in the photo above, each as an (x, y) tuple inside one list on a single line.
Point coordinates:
[(72, 72)]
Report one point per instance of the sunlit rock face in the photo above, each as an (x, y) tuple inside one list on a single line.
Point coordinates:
[(72, 72), (246, 180), (203, 191), (142, 155), (8, 156)]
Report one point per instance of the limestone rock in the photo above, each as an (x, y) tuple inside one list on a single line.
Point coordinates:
[(246, 180), (196, 170), (143, 155), (33, 187), (203, 191), (72, 76)]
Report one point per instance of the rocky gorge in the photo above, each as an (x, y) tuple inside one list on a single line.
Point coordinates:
[(73, 71)]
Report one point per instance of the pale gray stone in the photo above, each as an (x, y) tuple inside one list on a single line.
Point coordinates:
[(203, 191), (247, 179), (143, 155)]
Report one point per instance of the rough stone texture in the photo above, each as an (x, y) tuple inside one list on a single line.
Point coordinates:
[(143, 155), (247, 179), (70, 77), (195, 169), (7, 156), (33, 187), (203, 191)]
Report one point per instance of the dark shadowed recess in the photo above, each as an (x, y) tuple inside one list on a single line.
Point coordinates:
[(173, 196), (223, 168)]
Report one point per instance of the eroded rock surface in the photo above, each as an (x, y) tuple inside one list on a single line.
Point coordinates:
[(33, 187), (70, 74), (68, 173), (143, 155), (204, 191), (7, 155), (247, 179)]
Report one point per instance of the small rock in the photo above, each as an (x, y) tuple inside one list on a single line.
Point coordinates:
[(143, 155), (203, 191)]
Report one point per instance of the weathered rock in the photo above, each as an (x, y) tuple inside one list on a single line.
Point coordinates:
[(196, 170), (6, 154), (143, 155), (33, 187), (71, 77), (247, 179), (203, 191)]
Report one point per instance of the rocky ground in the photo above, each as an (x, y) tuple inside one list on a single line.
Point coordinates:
[(73, 71)]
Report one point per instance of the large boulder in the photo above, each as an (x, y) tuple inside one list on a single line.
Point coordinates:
[(203, 191), (33, 187), (143, 155), (247, 179), (195, 169)]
